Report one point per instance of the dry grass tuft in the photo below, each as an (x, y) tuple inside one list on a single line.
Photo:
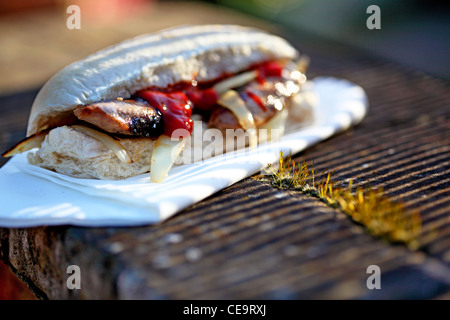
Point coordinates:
[(369, 207)]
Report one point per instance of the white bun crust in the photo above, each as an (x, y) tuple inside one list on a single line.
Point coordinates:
[(154, 60)]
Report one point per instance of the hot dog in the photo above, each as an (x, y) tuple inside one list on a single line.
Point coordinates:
[(128, 109)]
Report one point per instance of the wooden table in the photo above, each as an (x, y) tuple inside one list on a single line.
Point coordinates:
[(251, 240)]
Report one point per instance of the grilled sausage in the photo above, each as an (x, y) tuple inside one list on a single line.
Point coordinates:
[(128, 117), (263, 100)]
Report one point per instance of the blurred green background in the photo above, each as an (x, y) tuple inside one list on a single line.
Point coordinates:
[(414, 33)]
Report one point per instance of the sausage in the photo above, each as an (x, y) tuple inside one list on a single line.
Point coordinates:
[(128, 117), (262, 100)]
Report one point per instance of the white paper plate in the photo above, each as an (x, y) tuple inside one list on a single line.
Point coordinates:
[(32, 196)]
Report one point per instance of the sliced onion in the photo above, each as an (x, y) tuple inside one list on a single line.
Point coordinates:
[(278, 122), (111, 143), (26, 144), (235, 81), (165, 152), (233, 102), (303, 63)]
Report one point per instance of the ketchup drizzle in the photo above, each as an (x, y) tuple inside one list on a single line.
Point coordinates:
[(176, 102), (257, 100), (175, 108)]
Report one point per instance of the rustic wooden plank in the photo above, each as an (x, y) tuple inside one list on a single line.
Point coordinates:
[(293, 248)]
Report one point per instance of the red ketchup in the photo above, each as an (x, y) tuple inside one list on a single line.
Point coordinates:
[(175, 108), (269, 69), (203, 99), (257, 100)]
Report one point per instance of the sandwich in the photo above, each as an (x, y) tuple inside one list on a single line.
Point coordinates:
[(131, 108)]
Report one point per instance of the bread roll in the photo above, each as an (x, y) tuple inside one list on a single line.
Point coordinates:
[(205, 52)]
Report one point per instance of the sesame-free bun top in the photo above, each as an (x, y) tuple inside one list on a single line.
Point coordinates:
[(205, 52)]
